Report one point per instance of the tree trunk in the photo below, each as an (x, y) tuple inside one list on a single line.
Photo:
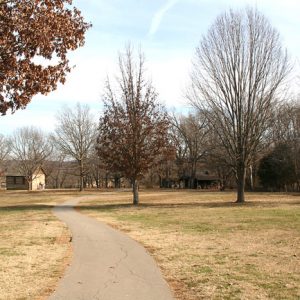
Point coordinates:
[(81, 183), (135, 191), (106, 180), (191, 183), (117, 182), (241, 174), (97, 179), (251, 178)]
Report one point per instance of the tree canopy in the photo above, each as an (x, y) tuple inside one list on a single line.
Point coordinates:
[(30, 147), (75, 136), (239, 69), (133, 131), (277, 169), (35, 39)]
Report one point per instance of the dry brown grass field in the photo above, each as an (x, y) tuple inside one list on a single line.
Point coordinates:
[(34, 247), (209, 247)]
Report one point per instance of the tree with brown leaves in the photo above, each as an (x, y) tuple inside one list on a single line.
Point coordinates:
[(32, 32), (133, 131)]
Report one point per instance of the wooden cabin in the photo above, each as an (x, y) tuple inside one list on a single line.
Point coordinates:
[(16, 180)]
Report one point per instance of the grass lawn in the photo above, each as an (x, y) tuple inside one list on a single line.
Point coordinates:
[(209, 247), (34, 247)]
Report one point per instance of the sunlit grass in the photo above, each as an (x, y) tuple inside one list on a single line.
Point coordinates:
[(211, 248), (34, 248)]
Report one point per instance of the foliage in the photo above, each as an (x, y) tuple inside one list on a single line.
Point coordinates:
[(284, 135), (277, 169), (133, 131), (32, 31)]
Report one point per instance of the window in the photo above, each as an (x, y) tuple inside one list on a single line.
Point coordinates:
[(15, 180), (19, 180), (10, 180)]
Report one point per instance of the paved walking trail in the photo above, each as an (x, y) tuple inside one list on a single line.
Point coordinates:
[(107, 264)]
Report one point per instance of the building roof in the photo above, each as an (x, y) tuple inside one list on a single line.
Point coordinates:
[(12, 168), (207, 177)]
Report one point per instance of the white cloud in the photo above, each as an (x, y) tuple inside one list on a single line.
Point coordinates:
[(170, 75), (167, 60), (158, 16)]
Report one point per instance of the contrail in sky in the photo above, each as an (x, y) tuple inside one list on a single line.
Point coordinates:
[(158, 16)]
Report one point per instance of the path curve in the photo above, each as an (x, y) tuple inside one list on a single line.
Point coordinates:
[(107, 264)]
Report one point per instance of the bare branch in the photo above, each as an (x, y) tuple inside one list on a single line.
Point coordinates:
[(238, 72), (75, 135)]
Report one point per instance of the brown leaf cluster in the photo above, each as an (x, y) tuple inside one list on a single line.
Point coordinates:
[(29, 31), (133, 132)]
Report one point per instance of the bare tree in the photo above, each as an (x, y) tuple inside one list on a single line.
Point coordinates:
[(94, 169), (55, 168), (218, 160), (286, 125), (4, 148), (133, 131), (238, 73), (30, 147), (190, 134), (75, 136)]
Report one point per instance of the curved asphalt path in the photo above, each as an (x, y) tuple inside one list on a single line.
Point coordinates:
[(107, 264)]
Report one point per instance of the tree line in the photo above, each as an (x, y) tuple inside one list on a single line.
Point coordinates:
[(241, 124), (74, 152)]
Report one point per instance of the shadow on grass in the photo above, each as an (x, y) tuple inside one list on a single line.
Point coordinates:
[(18, 208), (185, 205), (118, 206), (155, 205), (37, 207)]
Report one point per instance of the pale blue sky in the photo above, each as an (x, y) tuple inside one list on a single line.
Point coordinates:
[(168, 32)]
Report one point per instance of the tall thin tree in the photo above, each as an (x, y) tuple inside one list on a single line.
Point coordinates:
[(238, 71)]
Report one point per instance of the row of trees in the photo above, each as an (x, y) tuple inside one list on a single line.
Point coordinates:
[(280, 166), (237, 81), (73, 140), (77, 147)]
